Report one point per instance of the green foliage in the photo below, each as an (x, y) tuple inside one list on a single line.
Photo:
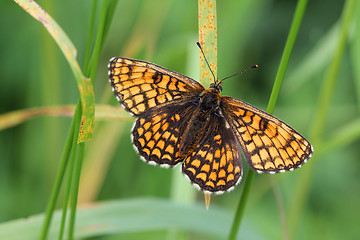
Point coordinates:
[(318, 201), (131, 216)]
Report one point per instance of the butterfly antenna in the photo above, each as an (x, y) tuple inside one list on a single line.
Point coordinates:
[(252, 67), (202, 51)]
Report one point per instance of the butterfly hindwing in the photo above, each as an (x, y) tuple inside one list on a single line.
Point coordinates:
[(140, 85), (215, 164), (269, 144), (157, 133)]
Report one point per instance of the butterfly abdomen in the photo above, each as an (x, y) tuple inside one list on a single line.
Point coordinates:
[(192, 134)]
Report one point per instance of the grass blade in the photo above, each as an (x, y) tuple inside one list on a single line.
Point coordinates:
[(299, 12), (60, 174), (85, 87), (130, 216), (320, 118)]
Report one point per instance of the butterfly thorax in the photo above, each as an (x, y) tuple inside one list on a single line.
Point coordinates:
[(208, 106)]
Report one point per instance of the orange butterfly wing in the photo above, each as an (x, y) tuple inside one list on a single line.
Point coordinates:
[(215, 164), (157, 133), (269, 144), (140, 85), (166, 102)]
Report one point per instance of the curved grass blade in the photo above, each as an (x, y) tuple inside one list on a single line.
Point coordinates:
[(84, 85), (299, 12), (321, 112), (133, 216)]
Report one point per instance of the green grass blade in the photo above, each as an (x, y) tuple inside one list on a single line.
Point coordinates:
[(320, 118), (86, 111), (330, 79), (299, 12), (355, 52), (66, 46), (90, 70), (342, 137), (235, 226), (133, 216), (60, 174), (75, 188), (109, 16), (70, 172), (313, 63), (89, 41), (295, 25)]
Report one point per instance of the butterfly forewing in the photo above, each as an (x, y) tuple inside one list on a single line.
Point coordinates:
[(215, 164), (140, 85), (269, 144)]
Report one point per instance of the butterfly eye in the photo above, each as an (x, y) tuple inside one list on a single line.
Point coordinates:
[(215, 86)]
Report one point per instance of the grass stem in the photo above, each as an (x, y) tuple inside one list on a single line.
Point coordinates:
[(294, 29)]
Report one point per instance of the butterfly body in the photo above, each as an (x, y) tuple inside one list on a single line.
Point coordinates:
[(207, 108), (179, 121)]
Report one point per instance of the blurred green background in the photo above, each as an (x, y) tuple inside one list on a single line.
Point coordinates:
[(319, 201)]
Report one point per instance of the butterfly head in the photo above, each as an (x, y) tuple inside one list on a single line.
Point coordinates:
[(216, 86)]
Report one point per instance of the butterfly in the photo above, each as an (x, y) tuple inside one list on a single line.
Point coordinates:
[(179, 121)]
